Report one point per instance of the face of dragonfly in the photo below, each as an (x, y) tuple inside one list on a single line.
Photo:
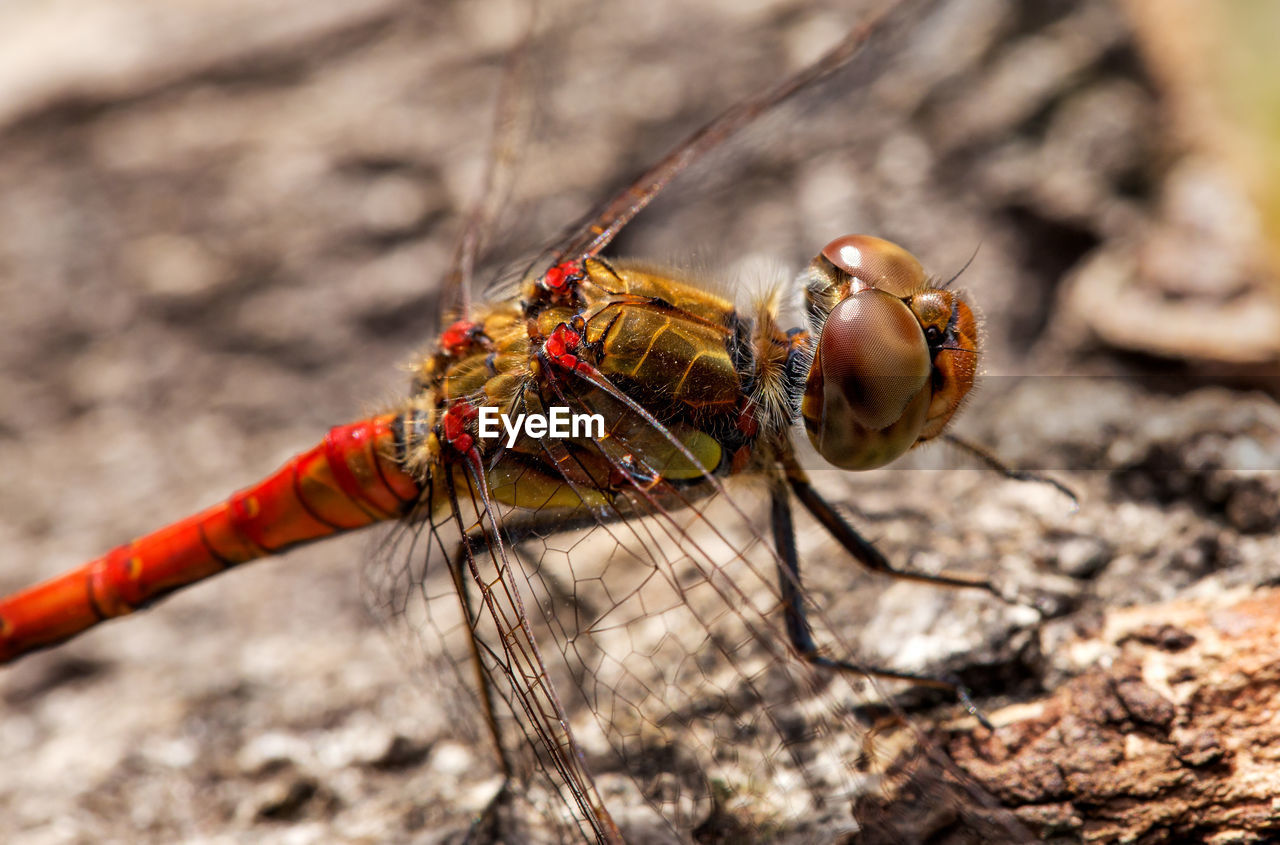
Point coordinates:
[(895, 355)]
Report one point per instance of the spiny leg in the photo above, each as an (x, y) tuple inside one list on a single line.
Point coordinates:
[(994, 463), (800, 633), (862, 550), (866, 554)]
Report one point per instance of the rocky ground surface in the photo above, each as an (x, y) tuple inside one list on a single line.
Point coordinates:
[(222, 228)]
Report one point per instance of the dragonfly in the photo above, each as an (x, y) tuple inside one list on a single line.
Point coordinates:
[(695, 394)]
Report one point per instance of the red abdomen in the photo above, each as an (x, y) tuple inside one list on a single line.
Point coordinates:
[(348, 481)]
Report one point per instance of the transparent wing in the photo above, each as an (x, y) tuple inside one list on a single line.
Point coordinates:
[(842, 71), (445, 588), (508, 134), (601, 226)]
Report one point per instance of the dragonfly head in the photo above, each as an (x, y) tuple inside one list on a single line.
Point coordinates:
[(895, 354)]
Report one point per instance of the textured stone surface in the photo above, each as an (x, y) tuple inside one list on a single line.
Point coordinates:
[(222, 228)]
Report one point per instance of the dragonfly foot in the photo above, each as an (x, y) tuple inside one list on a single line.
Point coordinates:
[(966, 701), (1049, 596)]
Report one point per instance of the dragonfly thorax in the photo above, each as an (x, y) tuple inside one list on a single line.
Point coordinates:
[(893, 357)]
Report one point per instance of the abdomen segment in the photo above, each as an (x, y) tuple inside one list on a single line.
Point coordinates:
[(350, 480)]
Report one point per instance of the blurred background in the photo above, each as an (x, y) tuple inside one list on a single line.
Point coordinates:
[(222, 229)]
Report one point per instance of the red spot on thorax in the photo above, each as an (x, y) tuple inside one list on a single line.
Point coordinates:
[(561, 346), (453, 426), (562, 277), (459, 337)]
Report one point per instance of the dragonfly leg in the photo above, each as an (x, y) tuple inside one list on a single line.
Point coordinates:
[(993, 463), (800, 633), (862, 550)]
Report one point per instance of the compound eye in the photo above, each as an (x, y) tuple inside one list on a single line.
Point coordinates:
[(874, 353), (872, 262), (867, 395)]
